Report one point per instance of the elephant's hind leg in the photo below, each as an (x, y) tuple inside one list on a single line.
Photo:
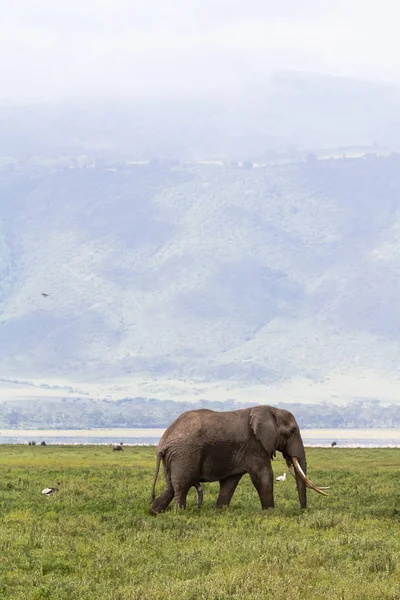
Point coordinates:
[(185, 474), (181, 493), (227, 488), (161, 502)]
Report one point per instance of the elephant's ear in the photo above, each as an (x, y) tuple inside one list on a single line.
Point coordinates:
[(264, 425)]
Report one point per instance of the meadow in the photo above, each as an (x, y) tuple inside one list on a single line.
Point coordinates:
[(94, 538)]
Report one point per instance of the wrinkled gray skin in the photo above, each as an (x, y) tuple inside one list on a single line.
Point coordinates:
[(205, 445)]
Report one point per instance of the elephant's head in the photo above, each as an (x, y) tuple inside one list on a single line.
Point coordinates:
[(277, 429)]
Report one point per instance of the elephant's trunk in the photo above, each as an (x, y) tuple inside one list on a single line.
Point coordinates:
[(295, 450), (300, 482), (301, 485)]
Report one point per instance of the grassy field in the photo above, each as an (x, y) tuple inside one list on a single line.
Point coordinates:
[(94, 539)]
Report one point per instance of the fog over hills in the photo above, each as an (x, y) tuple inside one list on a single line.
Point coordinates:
[(202, 280), (198, 202), (267, 112)]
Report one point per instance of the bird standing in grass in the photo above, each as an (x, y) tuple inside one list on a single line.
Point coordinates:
[(49, 491), (281, 477)]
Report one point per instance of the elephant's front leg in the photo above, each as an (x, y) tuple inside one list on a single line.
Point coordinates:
[(227, 488), (263, 481)]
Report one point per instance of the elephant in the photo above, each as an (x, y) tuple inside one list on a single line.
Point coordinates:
[(206, 445)]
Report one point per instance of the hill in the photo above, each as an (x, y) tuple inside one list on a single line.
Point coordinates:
[(87, 413), (201, 280)]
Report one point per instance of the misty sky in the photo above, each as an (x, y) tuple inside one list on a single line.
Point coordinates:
[(60, 49)]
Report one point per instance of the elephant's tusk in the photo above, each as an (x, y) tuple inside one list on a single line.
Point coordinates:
[(308, 483), (293, 474)]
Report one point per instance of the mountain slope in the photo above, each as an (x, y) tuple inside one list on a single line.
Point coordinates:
[(208, 273)]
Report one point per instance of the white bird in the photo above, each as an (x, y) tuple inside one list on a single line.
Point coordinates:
[(49, 491), (281, 477)]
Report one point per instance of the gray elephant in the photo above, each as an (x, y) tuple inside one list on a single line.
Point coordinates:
[(205, 445)]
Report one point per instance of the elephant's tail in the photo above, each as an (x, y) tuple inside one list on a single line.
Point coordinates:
[(153, 492)]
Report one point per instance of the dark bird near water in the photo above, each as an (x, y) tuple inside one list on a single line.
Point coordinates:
[(333, 444)]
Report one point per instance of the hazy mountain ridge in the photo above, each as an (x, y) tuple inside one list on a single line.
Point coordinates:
[(267, 113), (86, 413), (201, 272)]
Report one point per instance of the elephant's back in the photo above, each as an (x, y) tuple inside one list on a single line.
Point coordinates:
[(203, 426), (187, 425)]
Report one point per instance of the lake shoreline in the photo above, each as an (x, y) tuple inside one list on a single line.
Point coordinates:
[(318, 438)]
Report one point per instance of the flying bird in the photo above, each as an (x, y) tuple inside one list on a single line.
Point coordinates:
[(45, 295), (281, 477)]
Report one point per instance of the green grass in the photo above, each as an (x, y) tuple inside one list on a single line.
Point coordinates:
[(94, 539)]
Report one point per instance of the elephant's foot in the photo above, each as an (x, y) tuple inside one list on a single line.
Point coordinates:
[(161, 503), (266, 506), (154, 510)]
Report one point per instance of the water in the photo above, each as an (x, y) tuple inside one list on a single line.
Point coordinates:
[(352, 438), (82, 436), (361, 438)]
